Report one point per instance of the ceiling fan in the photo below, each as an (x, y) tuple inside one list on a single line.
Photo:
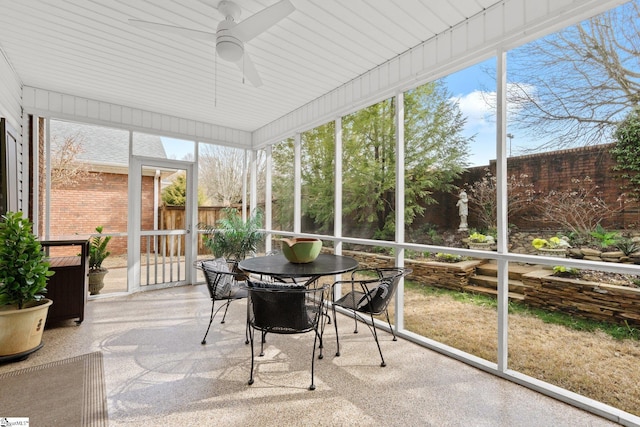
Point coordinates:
[(230, 36)]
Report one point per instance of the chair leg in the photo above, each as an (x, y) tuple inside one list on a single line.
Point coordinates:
[(213, 315), (262, 341), (224, 316), (251, 334), (246, 332), (355, 319), (375, 336), (313, 358), (390, 327), (204, 339), (321, 326), (335, 324)]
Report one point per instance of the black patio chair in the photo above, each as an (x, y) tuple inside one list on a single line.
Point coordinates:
[(224, 284), (369, 296), (274, 308)]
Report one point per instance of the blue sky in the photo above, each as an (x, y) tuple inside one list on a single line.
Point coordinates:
[(471, 88), (177, 148)]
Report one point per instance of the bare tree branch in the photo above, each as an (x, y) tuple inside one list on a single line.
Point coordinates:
[(574, 86), (65, 167), (221, 174)]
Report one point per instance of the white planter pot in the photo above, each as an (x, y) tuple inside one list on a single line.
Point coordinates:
[(96, 280), (21, 330), (480, 246), (558, 253)]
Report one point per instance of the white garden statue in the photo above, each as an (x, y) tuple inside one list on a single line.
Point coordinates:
[(463, 210)]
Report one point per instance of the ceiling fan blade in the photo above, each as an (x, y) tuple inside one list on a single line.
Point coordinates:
[(262, 21), (196, 34), (249, 70)]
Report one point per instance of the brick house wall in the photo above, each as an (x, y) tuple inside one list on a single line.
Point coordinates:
[(100, 199)]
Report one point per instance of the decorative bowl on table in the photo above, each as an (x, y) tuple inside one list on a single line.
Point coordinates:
[(301, 250)]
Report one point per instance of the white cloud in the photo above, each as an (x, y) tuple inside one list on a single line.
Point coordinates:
[(479, 108), (475, 106)]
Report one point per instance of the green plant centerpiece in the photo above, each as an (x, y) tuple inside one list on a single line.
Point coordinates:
[(24, 271), (232, 238), (97, 254)]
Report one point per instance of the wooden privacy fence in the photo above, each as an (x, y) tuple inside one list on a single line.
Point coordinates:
[(173, 218)]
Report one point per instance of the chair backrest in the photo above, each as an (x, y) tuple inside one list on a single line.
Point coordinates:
[(219, 277), (282, 308), (382, 290)]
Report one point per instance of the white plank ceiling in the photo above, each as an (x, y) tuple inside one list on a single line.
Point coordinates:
[(87, 48)]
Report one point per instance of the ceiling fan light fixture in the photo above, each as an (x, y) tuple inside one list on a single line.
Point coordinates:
[(229, 48)]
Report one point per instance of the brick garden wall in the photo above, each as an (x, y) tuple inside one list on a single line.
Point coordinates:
[(547, 171)]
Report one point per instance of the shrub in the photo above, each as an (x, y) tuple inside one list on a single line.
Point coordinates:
[(626, 152), (627, 246), (443, 257), (480, 238), (24, 269), (563, 271), (578, 209), (604, 238), (483, 198)]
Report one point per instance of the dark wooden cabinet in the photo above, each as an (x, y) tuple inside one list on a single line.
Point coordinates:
[(68, 287)]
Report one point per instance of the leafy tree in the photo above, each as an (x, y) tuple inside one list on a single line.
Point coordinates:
[(175, 194), (318, 166), (626, 153), (573, 86), (435, 152), (282, 181)]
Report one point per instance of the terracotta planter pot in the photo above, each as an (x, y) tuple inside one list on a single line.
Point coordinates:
[(21, 330)]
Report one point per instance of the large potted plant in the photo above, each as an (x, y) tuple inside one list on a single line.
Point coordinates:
[(97, 254), (24, 271), (233, 238)]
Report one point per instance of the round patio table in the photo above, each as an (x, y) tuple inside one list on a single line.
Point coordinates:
[(279, 267)]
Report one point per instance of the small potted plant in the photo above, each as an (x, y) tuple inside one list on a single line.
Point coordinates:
[(97, 254), (24, 271), (481, 241), (554, 246)]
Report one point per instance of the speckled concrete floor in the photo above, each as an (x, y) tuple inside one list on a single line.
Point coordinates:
[(158, 373)]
